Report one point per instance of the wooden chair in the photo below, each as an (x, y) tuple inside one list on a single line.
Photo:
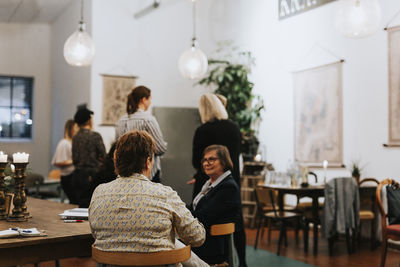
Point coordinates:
[(391, 232), (264, 205), (280, 216), (367, 208), (141, 259), (303, 206), (225, 229)]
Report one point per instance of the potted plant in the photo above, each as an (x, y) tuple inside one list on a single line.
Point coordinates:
[(356, 171), (228, 73)]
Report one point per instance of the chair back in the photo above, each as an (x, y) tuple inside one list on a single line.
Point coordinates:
[(55, 174), (141, 259), (368, 199), (222, 229), (382, 202), (226, 229), (264, 198), (314, 175)]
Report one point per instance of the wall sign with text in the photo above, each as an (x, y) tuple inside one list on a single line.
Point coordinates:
[(288, 8)]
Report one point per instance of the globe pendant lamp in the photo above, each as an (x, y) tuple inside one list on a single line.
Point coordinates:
[(193, 62), (358, 18), (79, 47)]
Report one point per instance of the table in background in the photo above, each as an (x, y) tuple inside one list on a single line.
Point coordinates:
[(314, 192), (63, 240)]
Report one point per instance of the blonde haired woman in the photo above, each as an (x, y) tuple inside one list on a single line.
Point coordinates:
[(63, 158)]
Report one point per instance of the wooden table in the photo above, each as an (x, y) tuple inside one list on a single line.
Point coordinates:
[(63, 240), (314, 192)]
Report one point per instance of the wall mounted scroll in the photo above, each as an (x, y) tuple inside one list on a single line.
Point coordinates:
[(394, 86), (318, 115), (115, 91)]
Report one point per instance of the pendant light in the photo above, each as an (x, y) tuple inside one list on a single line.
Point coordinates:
[(193, 62), (79, 48), (358, 18)]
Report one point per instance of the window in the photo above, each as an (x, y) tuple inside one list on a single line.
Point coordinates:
[(15, 107)]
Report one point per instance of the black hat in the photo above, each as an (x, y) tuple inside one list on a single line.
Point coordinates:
[(82, 115)]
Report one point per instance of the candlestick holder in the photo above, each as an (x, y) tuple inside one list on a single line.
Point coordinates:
[(19, 212), (3, 214)]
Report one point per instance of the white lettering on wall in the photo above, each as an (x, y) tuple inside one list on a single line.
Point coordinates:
[(288, 7)]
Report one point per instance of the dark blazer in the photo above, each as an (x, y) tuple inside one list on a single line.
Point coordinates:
[(221, 204), (217, 132)]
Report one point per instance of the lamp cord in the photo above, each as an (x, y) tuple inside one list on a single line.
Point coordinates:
[(194, 23), (81, 10)]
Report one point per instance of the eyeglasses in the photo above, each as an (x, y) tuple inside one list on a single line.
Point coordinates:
[(210, 160)]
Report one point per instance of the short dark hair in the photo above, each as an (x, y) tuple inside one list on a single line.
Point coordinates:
[(131, 152), (223, 155), (135, 96)]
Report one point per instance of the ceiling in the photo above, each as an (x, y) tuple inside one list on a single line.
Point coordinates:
[(31, 11)]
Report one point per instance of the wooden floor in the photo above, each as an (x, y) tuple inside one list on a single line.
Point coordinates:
[(362, 257)]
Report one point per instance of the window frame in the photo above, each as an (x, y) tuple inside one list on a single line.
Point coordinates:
[(29, 80)]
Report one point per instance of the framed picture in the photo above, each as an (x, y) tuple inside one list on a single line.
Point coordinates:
[(115, 91), (394, 85), (318, 115)]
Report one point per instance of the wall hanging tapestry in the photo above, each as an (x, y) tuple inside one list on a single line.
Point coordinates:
[(318, 115)]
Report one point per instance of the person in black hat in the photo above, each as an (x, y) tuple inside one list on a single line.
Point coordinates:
[(88, 152)]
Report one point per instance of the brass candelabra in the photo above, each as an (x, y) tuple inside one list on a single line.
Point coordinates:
[(19, 212), (3, 214)]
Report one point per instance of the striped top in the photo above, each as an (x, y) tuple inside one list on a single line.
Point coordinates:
[(141, 120)]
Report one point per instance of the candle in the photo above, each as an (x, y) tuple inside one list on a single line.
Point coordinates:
[(20, 157), (3, 157), (325, 164), (12, 167)]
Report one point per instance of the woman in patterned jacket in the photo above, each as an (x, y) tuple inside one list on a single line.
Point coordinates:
[(134, 214)]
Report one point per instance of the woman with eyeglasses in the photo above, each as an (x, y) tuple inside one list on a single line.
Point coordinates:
[(218, 202), (217, 129)]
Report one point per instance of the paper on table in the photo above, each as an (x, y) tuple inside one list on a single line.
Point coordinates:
[(20, 232), (75, 213)]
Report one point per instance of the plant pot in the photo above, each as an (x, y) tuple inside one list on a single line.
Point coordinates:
[(249, 147)]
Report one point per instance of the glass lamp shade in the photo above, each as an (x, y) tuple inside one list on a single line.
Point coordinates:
[(79, 48), (358, 18), (193, 63)]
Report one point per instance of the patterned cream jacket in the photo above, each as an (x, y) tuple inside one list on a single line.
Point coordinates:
[(133, 214)]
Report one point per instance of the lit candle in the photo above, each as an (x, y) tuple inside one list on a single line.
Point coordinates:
[(257, 157), (325, 165), (20, 157), (3, 157)]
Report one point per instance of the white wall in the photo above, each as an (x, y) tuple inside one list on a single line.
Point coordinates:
[(70, 85), (24, 52), (284, 46), (150, 47)]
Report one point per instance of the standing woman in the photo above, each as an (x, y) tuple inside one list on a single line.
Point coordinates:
[(217, 129), (137, 118), (63, 158)]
